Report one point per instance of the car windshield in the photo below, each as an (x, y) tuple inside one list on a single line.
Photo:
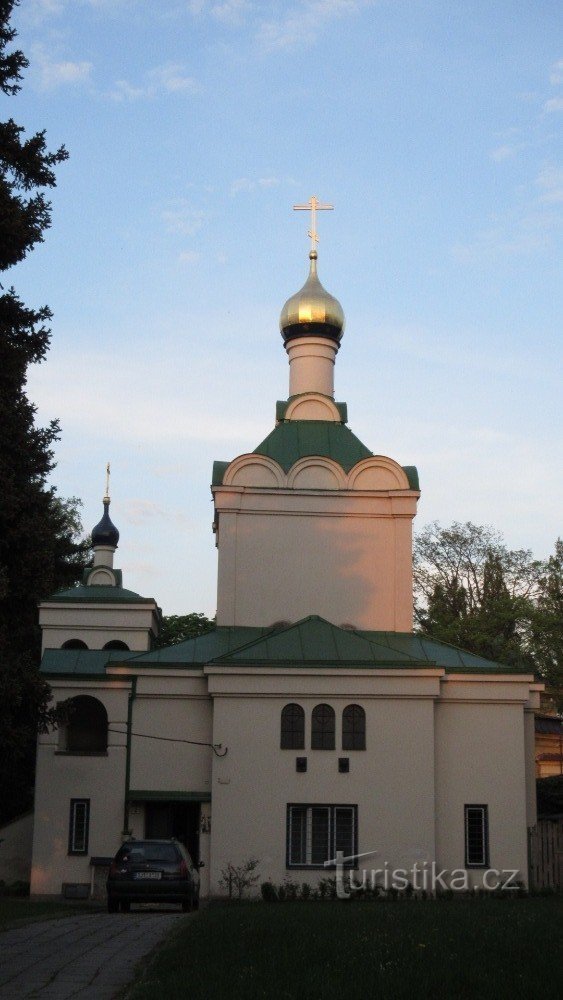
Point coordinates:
[(136, 853)]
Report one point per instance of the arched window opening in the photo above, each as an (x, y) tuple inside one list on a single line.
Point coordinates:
[(353, 728), (323, 726), (74, 644), (87, 725), (116, 644), (292, 728)]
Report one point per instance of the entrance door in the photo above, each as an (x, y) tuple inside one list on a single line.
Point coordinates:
[(180, 820)]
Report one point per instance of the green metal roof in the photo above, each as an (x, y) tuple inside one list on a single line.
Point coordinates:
[(203, 648), (317, 641), (81, 662), (295, 439), (100, 595), (312, 642)]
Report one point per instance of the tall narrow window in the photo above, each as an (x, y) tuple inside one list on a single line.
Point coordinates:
[(476, 836), (353, 728), (78, 826), (292, 728), (316, 833), (323, 725)]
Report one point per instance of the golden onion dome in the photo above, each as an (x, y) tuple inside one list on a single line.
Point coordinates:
[(312, 312)]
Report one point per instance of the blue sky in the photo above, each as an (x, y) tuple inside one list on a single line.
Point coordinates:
[(433, 126)]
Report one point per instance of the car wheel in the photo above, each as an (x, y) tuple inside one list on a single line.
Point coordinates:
[(125, 906), (113, 905)]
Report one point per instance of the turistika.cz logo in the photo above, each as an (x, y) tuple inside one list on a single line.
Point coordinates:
[(423, 876)]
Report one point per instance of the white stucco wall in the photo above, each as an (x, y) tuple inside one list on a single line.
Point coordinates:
[(342, 555), (62, 777)]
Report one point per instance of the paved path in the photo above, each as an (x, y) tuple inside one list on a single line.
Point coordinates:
[(89, 956)]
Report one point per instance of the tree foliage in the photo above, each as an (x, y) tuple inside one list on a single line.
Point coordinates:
[(474, 592), (178, 628), (40, 546)]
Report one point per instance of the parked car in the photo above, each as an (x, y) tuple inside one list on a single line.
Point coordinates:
[(152, 871)]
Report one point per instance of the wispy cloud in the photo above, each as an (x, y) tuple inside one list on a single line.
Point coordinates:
[(139, 511), (171, 78), (231, 12), (180, 218), (189, 257), (51, 74), (302, 24), (556, 75), (553, 105), (241, 184), (502, 153), (550, 182)]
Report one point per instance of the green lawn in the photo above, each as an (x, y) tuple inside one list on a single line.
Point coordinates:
[(15, 912), (481, 948)]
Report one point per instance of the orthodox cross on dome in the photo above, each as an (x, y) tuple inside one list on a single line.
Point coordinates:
[(313, 206), (107, 483)]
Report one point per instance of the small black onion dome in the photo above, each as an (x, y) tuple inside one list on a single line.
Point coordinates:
[(312, 312), (105, 533)]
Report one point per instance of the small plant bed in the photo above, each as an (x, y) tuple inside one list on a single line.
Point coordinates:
[(476, 947), (17, 912)]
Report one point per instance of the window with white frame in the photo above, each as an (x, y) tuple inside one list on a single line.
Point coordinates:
[(78, 826), (316, 832), (476, 836)]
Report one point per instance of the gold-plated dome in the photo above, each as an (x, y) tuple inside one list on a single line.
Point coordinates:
[(312, 312)]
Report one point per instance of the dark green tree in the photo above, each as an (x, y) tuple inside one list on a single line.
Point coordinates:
[(178, 628), (40, 547), (472, 591), (547, 627)]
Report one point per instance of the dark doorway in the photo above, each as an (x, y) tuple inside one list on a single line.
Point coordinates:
[(174, 819)]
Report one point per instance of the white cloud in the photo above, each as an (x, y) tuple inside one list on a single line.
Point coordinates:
[(138, 511), (172, 78), (556, 75), (189, 257), (303, 23), (180, 218), (242, 184), (502, 153), (51, 74), (167, 79), (231, 12), (251, 184), (550, 181), (554, 104)]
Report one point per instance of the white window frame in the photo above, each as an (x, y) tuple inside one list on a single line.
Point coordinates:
[(483, 860), (332, 813), (78, 845)]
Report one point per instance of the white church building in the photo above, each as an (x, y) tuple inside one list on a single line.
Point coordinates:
[(312, 719)]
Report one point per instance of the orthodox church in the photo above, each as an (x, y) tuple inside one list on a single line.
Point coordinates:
[(311, 720)]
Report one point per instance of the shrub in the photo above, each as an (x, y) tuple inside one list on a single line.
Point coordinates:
[(269, 892)]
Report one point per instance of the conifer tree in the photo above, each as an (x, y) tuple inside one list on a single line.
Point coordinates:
[(40, 549)]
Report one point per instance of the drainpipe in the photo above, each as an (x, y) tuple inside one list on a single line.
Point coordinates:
[(132, 695)]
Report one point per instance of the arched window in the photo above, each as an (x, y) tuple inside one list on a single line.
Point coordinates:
[(353, 728), (292, 728), (74, 644), (87, 725), (116, 644), (322, 731)]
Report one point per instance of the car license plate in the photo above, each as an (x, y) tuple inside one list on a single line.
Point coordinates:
[(148, 875)]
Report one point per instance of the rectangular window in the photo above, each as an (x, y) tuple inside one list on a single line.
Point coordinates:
[(476, 837), (315, 833), (78, 826)]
